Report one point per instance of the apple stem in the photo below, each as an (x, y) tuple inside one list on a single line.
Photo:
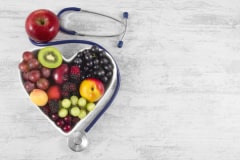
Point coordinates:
[(41, 21)]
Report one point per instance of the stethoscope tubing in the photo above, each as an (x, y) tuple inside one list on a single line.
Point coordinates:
[(72, 32), (52, 43)]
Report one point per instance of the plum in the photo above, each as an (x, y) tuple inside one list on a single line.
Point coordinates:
[(60, 74)]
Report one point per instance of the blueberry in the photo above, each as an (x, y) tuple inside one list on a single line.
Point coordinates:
[(104, 60), (94, 49), (96, 61), (80, 54), (77, 61), (101, 73), (85, 68), (88, 57), (104, 79), (101, 54), (109, 74), (96, 66), (89, 64)]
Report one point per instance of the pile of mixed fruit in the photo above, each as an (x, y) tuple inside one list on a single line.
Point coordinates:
[(66, 91)]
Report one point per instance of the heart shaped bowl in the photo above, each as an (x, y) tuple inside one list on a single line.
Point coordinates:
[(77, 138)]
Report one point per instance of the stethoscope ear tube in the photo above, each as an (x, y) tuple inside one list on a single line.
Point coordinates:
[(59, 17), (72, 32)]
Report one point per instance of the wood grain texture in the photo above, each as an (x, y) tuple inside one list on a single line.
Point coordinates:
[(180, 85)]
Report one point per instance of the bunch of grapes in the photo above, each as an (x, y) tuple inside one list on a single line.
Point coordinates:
[(34, 75), (94, 63)]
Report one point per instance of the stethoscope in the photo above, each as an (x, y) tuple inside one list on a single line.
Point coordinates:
[(73, 32)]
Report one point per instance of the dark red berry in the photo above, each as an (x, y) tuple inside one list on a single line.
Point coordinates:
[(67, 128), (54, 117), (67, 119), (60, 122)]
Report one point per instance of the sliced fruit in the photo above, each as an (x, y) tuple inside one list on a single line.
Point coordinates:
[(39, 97), (50, 57)]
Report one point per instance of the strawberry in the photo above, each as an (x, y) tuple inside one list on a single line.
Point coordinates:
[(54, 92)]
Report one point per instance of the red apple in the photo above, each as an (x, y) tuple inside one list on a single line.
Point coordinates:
[(92, 89), (42, 25)]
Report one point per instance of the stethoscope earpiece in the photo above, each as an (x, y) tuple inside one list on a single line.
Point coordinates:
[(120, 42)]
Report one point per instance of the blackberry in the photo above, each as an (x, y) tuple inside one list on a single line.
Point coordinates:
[(46, 110), (75, 120), (65, 94), (53, 106), (69, 87), (72, 87), (75, 93), (75, 74)]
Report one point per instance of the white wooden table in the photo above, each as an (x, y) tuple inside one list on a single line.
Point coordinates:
[(180, 88)]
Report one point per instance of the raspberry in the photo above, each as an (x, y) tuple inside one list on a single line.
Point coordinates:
[(75, 74)]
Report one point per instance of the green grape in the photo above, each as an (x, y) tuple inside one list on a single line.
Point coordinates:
[(75, 111), (82, 102), (63, 112), (90, 106), (74, 100), (82, 114), (66, 103)]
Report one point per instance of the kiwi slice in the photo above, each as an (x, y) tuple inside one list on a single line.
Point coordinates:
[(50, 57)]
